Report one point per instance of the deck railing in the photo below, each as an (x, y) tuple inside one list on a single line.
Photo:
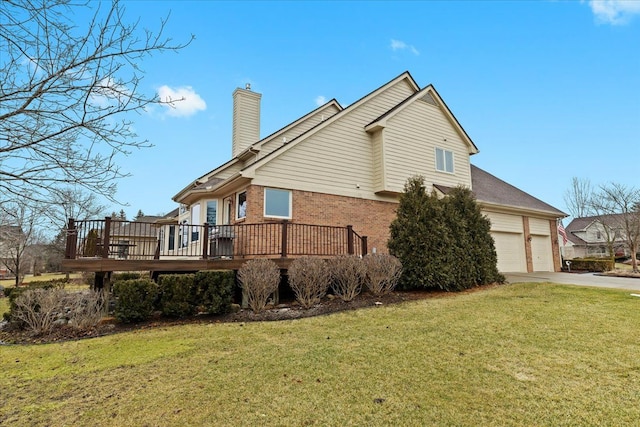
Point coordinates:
[(133, 240)]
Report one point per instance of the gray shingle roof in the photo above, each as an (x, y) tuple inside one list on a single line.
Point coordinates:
[(488, 188)]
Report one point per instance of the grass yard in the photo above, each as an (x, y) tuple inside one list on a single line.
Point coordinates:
[(524, 354), (42, 278)]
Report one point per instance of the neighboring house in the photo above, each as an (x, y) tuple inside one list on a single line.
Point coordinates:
[(134, 239), (593, 236), (348, 165)]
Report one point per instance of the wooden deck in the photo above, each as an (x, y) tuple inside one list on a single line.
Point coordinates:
[(177, 265), (104, 246)]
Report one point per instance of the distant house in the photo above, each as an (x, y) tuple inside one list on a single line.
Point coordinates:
[(593, 236), (348, 165)]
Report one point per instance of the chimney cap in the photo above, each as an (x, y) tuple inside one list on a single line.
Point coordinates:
[(247, 86)]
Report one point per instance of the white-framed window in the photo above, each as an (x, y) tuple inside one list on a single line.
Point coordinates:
[(241, 203), (277, 203), (444, 160), (195, 221), (212, 212)]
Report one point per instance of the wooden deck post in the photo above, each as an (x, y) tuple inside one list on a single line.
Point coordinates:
[(365, 249), (205, 241), (106, 240), (283, 252), (72, 238), (350, 250)]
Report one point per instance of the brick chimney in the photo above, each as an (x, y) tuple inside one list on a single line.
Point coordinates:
[(246, 119)]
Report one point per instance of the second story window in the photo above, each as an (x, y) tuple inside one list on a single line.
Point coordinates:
[(444, 160)]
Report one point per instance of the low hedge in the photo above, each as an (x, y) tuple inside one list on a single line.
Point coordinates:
[(214, 291), (177, 295), (208, 292), (134, 299), (592, 264)]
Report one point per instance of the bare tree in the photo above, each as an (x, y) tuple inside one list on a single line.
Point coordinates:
[(66, 93), (19, 230), (578, 197), (619, 205), (77, 203)]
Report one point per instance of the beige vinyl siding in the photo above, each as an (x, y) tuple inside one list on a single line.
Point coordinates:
[(296, 130), (539, 226), (246, 120), (378, 161), (337, 159), (505, 222), (410, 140)]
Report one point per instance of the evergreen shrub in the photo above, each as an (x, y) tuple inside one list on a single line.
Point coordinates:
[(177, 295), (214, 290), (442, 242), (134, 299)]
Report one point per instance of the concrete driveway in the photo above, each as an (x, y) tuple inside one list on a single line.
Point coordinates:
[(579, 279)]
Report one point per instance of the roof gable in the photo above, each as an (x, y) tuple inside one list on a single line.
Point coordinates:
[(404, 77), (430, 96)]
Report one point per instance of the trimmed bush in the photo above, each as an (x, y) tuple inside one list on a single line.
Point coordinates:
[(214, 290), (127, 275), (347, 275), (177, 295), (134, 299), (592, 264), (259, 279), (309, 278), (382, 273)]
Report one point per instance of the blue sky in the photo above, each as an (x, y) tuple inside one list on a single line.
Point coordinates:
[(547, 90)]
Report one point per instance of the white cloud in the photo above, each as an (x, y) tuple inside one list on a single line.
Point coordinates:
[(615, 12), (400, 45), (320, 100), (182, 101)]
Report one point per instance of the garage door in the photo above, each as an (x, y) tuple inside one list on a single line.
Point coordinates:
[(510, 250), (541, 253)]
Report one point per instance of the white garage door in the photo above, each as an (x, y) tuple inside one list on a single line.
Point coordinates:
[(541, 253), (510, 250)]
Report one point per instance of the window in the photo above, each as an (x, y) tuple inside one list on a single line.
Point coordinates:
[(444, 160), (195, 220), (277, 203), (212, 212), (242, 205), (172, 237)]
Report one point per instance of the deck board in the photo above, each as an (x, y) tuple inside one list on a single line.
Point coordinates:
[(107, 264)]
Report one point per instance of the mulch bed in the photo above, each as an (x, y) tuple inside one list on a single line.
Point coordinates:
[(287, 310)]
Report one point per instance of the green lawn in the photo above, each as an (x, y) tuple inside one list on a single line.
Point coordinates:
[(524, 354), (43, 277)]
